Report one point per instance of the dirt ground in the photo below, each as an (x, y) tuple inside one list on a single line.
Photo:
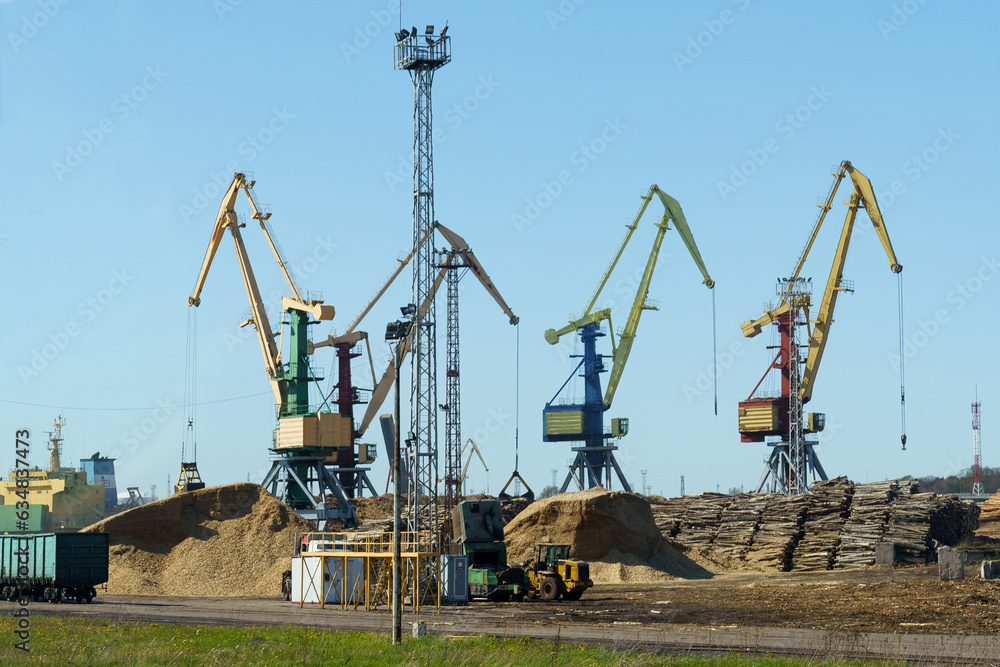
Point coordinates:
[(892, 600)]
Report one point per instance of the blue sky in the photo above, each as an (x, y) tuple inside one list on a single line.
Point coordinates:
[(120, 120)]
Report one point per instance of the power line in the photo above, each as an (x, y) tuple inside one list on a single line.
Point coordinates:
[(152, 407)]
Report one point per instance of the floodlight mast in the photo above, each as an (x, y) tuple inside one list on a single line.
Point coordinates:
[(421, 58)]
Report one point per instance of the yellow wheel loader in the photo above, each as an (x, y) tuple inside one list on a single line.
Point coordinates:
[(553, 574)]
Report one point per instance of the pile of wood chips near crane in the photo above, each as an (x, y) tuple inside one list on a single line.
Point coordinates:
[(223, 541), (837, 525), (614, 532)]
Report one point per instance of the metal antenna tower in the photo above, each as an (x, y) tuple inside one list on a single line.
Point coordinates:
[(644, 480), (682, 485), (421, 56), (977, 451)]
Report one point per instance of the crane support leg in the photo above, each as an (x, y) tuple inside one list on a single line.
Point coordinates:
[(779, 469), (591, 465), (306, 478)]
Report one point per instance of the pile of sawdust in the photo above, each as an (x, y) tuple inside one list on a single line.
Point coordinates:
[(989, 517), (224, 541), (615, 532), (376, 507)]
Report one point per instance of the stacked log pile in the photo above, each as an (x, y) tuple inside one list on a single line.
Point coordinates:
[(700, 523), (867, 524), (838, 524), (989, 519), (668, 513), (738, 525), (920, 519), (779, 531), (829, 508)]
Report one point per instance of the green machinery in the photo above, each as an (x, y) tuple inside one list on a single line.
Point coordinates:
[(478, 529)]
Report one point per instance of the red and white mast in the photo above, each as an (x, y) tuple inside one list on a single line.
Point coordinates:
[(977, 451)]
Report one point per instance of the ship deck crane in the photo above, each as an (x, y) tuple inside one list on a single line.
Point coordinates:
[(584, 422), (305, 441), (793, 458)]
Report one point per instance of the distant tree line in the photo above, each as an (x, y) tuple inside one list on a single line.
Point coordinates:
[(960, 482)]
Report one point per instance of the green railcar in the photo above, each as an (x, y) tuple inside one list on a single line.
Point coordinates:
[(53, 566)]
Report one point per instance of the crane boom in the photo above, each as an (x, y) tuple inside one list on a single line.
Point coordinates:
[(639, 304), (228, 219), (460, 247), (863, 195), (384, 385), (621, 350)]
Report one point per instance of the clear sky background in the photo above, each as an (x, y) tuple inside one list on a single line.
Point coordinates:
[(120, 120)]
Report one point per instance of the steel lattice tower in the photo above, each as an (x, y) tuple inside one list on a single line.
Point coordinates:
[(794, 461), (977, 451), (453, 391), (421, 55), (796, 480)]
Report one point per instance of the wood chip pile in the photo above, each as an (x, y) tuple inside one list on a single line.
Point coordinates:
[(613, 531), (223, 541)]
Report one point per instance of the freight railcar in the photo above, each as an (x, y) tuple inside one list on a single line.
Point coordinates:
[(53, 566)]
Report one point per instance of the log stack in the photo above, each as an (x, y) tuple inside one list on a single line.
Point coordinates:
[(779, 532), (829, 508), (668, 513), (701, 521), (867, 523), (738, 525)]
